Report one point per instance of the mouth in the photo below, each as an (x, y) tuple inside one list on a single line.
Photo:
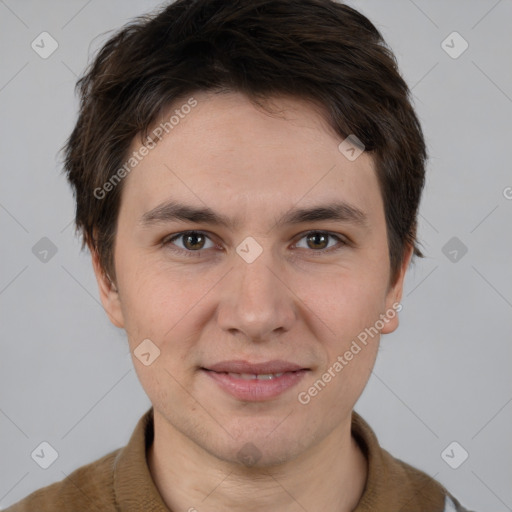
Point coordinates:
[(255, 381), (254, 376)]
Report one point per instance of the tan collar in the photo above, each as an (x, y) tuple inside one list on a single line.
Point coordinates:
[(133, 485), (391, 483)]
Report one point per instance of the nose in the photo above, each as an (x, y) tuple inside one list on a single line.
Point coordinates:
[(255, 302)]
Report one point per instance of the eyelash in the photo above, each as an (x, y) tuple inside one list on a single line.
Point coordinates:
[(167, 243)]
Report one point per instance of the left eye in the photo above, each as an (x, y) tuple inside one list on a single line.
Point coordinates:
[(319, 238)]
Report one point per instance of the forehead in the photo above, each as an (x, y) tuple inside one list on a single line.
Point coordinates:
[(234, 157)]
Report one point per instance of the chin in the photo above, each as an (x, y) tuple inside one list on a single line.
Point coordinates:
[(259, 454), (261, 449)]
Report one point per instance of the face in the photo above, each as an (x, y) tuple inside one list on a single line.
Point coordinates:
[(249, 245)]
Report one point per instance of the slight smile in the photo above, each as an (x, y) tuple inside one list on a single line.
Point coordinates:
[(255, 382)]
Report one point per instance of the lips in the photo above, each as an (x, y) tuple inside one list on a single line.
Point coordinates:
[(253, 376), (255, 381), (243, 367)]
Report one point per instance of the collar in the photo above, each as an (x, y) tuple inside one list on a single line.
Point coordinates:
[(391, 484), (134, 488)]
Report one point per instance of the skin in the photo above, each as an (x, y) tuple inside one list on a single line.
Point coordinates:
[(299, 301)]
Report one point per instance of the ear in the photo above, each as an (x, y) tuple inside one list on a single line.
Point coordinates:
[(394, 295), (108, 292)]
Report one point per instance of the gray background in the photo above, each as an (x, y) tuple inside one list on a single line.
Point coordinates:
[(66, 374)]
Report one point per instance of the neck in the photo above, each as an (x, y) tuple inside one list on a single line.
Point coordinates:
[(330, 476)]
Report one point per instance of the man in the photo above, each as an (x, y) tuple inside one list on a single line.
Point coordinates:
[(247, 177)]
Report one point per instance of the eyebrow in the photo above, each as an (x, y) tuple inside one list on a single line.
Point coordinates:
[(174, 210)]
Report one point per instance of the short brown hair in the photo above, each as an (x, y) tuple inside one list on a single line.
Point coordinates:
[(318, 50)]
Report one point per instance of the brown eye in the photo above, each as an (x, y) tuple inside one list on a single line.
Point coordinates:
[(317, 240), (193, 241), (187, 242), (321, 242)]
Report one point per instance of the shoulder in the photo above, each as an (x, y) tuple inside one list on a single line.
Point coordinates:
[(425, 486), (88, 488), (393, 484)]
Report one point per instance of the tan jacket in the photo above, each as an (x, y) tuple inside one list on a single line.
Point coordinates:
[(121, 482)]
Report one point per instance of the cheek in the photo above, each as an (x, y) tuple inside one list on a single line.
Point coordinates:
[(159, 302), (351, 311), (347, 300), (350, 304), (147, 291)]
